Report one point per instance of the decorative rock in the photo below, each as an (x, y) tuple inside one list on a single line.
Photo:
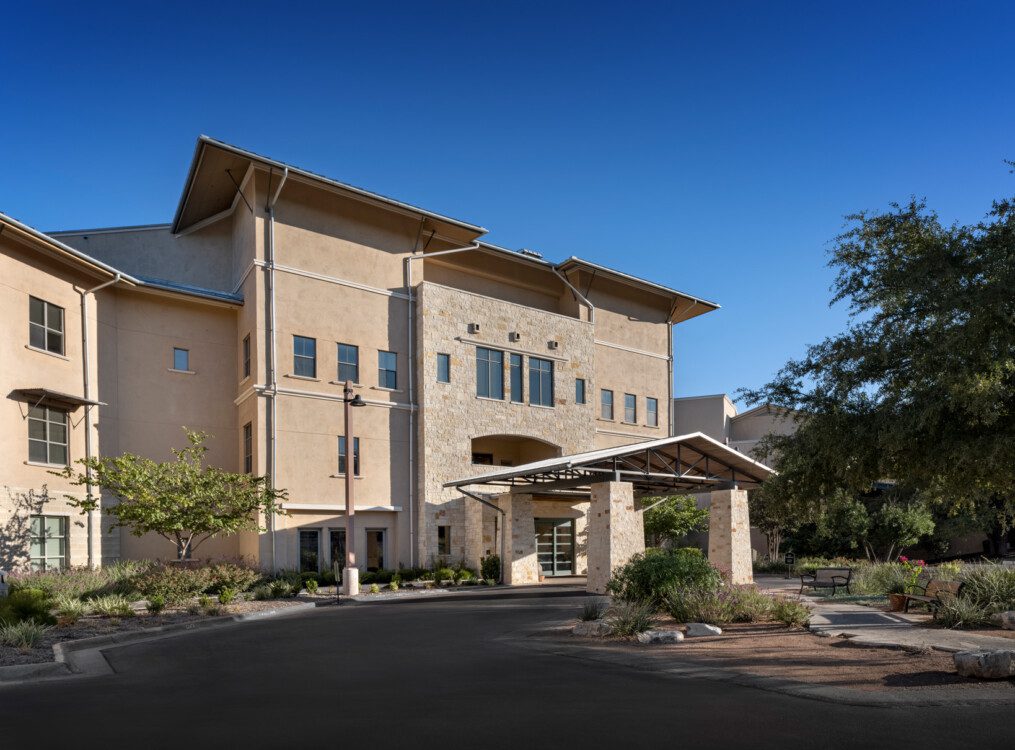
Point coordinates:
[(1008, 620), (987, 665), (700, 628), (660, 636), (592, 629)]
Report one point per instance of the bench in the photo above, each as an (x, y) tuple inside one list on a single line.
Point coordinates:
[(935, 593), (827, 578)]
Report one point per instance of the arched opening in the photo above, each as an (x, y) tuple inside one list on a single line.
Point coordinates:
[(511, 450)]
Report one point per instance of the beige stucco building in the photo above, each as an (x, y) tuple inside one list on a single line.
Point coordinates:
[(244, 316)]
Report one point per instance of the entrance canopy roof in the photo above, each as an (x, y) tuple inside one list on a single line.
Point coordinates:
[(693, 462)]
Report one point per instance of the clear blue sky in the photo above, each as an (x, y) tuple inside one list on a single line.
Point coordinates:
[(712, 147)]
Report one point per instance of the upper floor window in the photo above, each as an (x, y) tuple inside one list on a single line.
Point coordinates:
[(248, 448), (489, 373), (387, 370), (342, 462), (48, 543), (540, 382), (47, 435), (517, 378), (348, 363), (606, 404), (304, 357), (45, 325), (652, 411), (443, 368), (630, 408), (181, 359), (246, 356), (483, 459), (579, 390)]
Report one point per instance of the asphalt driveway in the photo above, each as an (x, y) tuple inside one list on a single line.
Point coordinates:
[(429, 674)]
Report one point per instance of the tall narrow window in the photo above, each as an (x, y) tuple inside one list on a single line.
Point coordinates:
[(348, 363), (45, 325), (387, 370), (630, 408), (248, 448), (489, 373), (342, 462), (652, 411), (48, 549), (517, 379), (310, 550), (181, 359), (579, 390), (540, 382), (304, 356), (443, 540), (47, 435), (606, 404), (246, 356), (443, 368)]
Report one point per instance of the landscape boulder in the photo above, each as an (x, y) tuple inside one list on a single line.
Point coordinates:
[(1007, 620), (986, 665), (592, 628), (660, 636), (700, 628)]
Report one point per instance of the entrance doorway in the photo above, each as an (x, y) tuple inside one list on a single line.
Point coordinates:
[(310, 546), (555, 546)]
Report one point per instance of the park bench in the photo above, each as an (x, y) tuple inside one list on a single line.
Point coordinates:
[(827, 578), (934, 593)]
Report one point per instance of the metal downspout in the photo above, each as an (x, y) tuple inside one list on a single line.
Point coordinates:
[(272, 355)]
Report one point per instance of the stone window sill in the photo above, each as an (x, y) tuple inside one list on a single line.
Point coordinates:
[(181, 372), (342, 476), (42, 465), (302, 377), (31, 348)]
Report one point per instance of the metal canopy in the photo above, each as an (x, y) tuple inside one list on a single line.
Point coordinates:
[(693, 462), (55, 398)]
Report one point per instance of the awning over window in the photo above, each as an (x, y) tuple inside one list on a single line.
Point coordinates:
[(47, 397)]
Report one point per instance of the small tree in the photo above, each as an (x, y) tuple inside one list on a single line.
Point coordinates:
[(183, 501), (669, 519)]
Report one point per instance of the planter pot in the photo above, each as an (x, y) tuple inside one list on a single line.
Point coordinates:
[(896, 602)]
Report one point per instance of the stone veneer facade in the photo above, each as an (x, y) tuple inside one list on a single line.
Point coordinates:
[(616, 532), (729, 535)]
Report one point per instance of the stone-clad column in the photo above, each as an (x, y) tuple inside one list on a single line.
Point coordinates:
[(729, 535), (519, 563), (473, 532), (616, 532)]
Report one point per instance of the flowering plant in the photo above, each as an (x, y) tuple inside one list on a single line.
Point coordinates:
[(911, 572)]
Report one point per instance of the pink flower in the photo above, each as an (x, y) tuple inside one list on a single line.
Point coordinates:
[(903, 558), (921, 563)]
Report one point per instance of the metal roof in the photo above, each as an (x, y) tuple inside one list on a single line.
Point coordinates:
[(56, 398), (682, 462), (575, 261)]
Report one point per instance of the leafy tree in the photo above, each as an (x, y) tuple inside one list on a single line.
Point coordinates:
[(183, 501), (669, 519), (920, 388)]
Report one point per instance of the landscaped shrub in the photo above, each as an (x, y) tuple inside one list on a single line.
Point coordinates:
[(69, 609), (489, 567), (280, 588), (287, 583), (770, 566), (156, 604), (174, 583), (752, 605), (375, 588), (82, 583), (878, 579), (962, 613), (326, 578), (229, 575), (262, 592), (443, 574), (227, 595), (651, 576), (311, 586), (811, 564), (411, 574), (948, 571), (715, 605), (464, 574), (25, 634), (111, 605), (594, 608), (990, 587), (26, 605), (790, 612), (627, 618), (393, 586)]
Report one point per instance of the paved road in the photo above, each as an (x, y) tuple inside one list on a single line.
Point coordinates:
[(437, 675)]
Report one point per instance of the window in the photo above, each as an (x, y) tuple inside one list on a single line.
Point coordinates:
[(181, 359), (375, 550), (304, 357), (443, 368), (517, 379), (310, 545), (45, 326), (579, 390), (246, 356), (342, 459), (489, 373), (606, 404), (248, 448), (47, 435), (49, 543), (348, 363), (337, 540), (540, 382), (484, 459), (652, 411), (387, 370), (630, 408), (444, 540)]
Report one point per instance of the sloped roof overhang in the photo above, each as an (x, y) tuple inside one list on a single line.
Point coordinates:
[(49, 397)]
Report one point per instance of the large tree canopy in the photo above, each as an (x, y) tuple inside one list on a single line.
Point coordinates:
[(920, 388)]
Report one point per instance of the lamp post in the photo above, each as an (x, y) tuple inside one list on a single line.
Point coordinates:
[(350, 576)]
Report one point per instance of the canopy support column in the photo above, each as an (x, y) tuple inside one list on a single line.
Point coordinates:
[(519, 564), (616, 532), (729, 535)]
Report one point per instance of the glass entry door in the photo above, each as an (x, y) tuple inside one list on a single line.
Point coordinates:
[(555, 546)]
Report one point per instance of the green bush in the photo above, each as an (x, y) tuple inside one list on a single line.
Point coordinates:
[(752, 605), (281, 588), (627, 618), (718, 605), (84, 583), (174, 583), (287, 583), (112, 605), (790, 612), (990, 587), (811, 564), (878, 579), (649, 577), (263, 592), (489, 567), (411, 574), (393, 586), (326, 578), (443, 574), (594, 608), (770, 566), (26, 605), (24, 635), (961, 612), (156, 604), (69, 609), (312, 586), (464, 574), (375, 588), (228, 575), (228, 595)]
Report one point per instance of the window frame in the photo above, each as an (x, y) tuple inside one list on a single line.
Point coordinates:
[(42, 538), (651, 411), (516, 367), (354, 364), (630, 408), (580, 391), (493, 364), (47, 441), (357, 463), (443, 367), (245, 356), (46, 328), (186, 355), (444, 540), (248, 448), (603, 404), (300, 357), (541, 373), (383, 372)]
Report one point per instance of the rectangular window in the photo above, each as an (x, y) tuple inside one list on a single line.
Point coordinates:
[(310, 545), (444, 540), (652, 411), (337, 540), (45, 325), (181, 359), (387, 370), (489, 373), (483, 459), (47, 435), (48, 543), (342, 459), (443, 368), (630, 408), (540, 382), (304, 357), (579, 390), (606, 404), (348, 363), (248, 448), (517, 379), (246, 356)]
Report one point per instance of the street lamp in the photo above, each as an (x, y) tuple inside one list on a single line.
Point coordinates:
[(350, 576)]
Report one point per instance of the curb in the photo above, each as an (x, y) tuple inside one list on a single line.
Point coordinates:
[(496, 593)]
